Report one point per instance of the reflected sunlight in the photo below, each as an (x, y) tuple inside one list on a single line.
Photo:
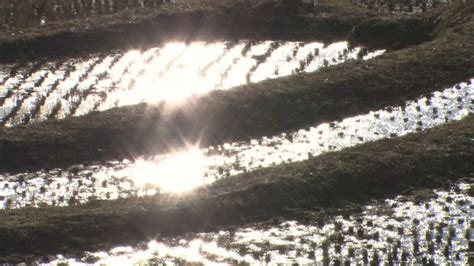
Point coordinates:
[(187, 169), (178, 70), (399, 225), (179, 172), (174, 73)]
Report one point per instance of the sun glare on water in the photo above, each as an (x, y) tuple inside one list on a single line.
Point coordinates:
[(179, 172), (175, 73)]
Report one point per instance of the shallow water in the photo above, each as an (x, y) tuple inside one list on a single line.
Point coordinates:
[(439, 230), (164, 173), (41, 91), (401, 6)]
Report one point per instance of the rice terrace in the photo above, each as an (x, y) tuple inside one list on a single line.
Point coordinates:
[(237, 132)]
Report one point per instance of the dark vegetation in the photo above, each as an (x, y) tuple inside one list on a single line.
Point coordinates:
[(409, 6), (21, 14), (443, 56), (213, 20)]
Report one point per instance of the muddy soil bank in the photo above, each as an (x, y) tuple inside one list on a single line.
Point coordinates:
[(379, 169), (254, 110), (216, 20)]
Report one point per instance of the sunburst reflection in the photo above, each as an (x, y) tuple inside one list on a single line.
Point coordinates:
[(179, 172), (192, 167), (170, 73), (397, 231)]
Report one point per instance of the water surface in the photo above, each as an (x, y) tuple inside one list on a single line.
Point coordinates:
[(165, 173), (399, 230), (171, 73)]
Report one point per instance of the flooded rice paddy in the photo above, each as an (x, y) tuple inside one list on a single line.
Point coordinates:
[(439, 230), (164, 173), (38, 91)]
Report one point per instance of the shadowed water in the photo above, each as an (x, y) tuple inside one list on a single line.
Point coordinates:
[(18, 14), (439, 230), (164, 173), (46, 90)]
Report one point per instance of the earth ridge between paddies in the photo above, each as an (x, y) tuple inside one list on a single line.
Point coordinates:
[(215, 20)]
